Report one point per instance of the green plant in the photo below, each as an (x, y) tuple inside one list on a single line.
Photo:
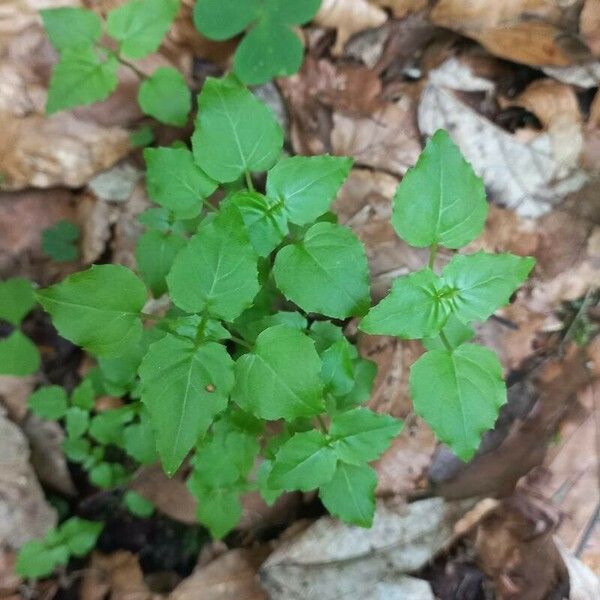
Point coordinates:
[(249, 366), (59, 242), (18, 354), (87, 69), (75, 537), (270, 48)]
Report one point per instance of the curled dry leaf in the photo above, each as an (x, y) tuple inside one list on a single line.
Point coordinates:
[(528, 176), (331, 560), (533, 32), (232, 575), (24, 512), (348, 17), (589, 25)]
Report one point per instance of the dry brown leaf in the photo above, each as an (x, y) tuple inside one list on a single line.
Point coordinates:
[(589, 25), (24, 512), (348, 17), (232, 575), (402, 8), (586, 75), (584, 585), (117, 576), (14, 392), (387, 140), (525, 31), (332, 560), (529, 176)]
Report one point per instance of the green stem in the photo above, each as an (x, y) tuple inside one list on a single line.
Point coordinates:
[(322, 424), (201, 327), (124, 62), (249, 183), (432, 254), (241, 342), (445, 341)]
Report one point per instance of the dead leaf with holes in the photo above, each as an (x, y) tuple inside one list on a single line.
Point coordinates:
[(348, 17)]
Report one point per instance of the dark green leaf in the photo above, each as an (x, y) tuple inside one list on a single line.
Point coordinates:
[(138, 505), (222, 19), (18, 355), (59, 242), (338, 367)]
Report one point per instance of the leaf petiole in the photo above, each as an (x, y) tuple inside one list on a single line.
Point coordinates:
[(445, 341), (432, 254), (249, 183)]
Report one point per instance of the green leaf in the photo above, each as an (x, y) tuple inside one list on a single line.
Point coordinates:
[(175, 181), (139, 440), (365, 372), (155, 253), (184, 388), (77, 449), (361, 435), (84, 395), (71, 27), (350, 495), (456, 333), (307, 185), (98, 309), (166, 97), (219, 508), (459, 394), (16, 300), (77, 422), (267, 493), (142, 137), (108, 427), (216, 272), (303, 463), (140, 25), (482, 283), (138, 505), (417, 306), (264, 219), (80, 535), (281, 378), (82, 76), (49, 402), (36, 560), (268, 50), (338, 367), (18, 355), (59, 242), (292, 13), (108, 475), (242, 128), (222, 19), (441, 200), (327, 272), (324, 334)]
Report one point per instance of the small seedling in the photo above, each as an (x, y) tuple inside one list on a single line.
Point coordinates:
[(59, 242)]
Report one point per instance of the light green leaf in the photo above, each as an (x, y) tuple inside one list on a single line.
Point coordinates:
[(482, 283), (36, 559), (281, 378), (81, 77), (77, 422), (138, 505), (140, 25), (49, 402), (265, 220), (361, 435), (139, 440), (77, 450), (365, 372), (267, 493), (166, 97), (108, 427), (18, 355), (184, 388), (268, 50), (459, 394), (155, 253), (324, 334), (307, 185), (456, 333), (175, 181), (219, 508), (303, 463), (80, 535), (222, 19), (216, 272), (84, 395), (16, 300), (98, 309), (59, 242), (350, 495), (242, 128), (327, 272), (107, 475), (69, 27), (338, 367), (417, 306), (440, 200)]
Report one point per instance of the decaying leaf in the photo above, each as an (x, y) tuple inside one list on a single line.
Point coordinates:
[(348, 17), (232, 575), (331, 560), (527, 176), (584, 584), (24, 512), (402, 8), (590, 25)]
